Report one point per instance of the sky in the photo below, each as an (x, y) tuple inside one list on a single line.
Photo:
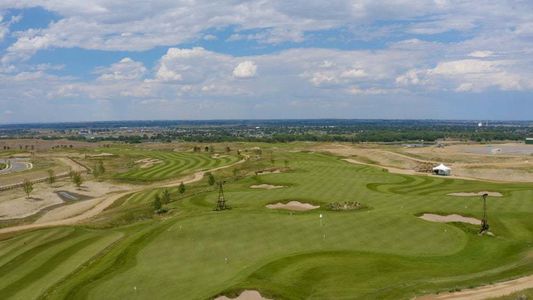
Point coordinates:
[(75, 60)]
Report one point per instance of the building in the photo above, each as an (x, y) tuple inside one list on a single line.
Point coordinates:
[(529, 141), (442, 170)]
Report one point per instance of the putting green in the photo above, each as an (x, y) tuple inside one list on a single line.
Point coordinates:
[(384, 252)]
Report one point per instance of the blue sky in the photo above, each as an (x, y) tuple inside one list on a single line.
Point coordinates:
[(103, 60)]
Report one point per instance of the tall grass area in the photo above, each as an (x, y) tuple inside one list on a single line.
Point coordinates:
[(194, 252)]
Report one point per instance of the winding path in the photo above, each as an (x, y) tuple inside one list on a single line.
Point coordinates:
[(486, 292)]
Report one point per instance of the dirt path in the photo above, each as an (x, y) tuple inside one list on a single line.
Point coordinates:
[(412, 172), (486, 292), (68, 216)]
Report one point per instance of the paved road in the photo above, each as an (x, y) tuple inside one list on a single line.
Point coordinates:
[(15, 165)]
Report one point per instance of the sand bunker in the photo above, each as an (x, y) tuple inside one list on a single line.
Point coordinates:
[(246, 295), (266, 186), (293, 205), (148, 162), (450, 219), (471, 194)]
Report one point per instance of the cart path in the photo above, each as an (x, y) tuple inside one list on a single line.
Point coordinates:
[(486, 292)]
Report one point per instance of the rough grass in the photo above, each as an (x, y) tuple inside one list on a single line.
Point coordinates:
[(197, 253)]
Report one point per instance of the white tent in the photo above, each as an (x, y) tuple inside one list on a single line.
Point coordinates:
[(442, 170)]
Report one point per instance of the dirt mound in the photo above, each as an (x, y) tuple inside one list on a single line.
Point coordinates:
[(293, 205), (266, 186), (245, 295), (471, 194), (450, 219)]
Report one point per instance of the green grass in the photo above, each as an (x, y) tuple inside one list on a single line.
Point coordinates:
[(172, 164), (381, 253)]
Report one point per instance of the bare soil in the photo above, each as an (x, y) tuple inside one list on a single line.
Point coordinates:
[(486, 292)]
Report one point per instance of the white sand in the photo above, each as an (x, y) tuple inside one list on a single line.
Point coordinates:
[(245, 295), (450, 218), (465, 194), (293, 205), (266, 186)]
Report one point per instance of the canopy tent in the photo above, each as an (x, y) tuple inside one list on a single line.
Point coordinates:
[(442, 170)]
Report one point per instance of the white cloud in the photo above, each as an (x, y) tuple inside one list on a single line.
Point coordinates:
[(480, 54), (245, 69), (125, 69)]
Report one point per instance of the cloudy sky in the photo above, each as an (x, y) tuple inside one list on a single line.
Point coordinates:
[(76, 60)]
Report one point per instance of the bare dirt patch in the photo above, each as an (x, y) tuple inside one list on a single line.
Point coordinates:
[(472, 194), (148, 162), (450, 219), (293, 205), (15, 205), (486, 292), (266, 186), (245, 295)]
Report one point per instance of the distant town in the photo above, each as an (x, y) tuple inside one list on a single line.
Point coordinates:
[(327, 130)]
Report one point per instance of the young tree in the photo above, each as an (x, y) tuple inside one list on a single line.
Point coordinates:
[(51, 176), (157, 203), (165, 198), (27, 186), (228, 149), (210, 178), (181, 188), (77, 179), (98, 169)]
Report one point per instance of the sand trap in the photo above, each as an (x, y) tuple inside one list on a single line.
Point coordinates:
[(293, 205), (148, 162), (246, 295), (450, 219), (464, 194), (266, 186), (268, 172)]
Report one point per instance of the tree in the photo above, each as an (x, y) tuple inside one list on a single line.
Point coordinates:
[(99, 169), (165, 198), (210, 178), (157, 203), (27, 186), (77, 179), (51, 176), (181, 188), (228, 149)]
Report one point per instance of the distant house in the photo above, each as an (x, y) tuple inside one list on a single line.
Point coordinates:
[(442, 170), (529, 141)]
